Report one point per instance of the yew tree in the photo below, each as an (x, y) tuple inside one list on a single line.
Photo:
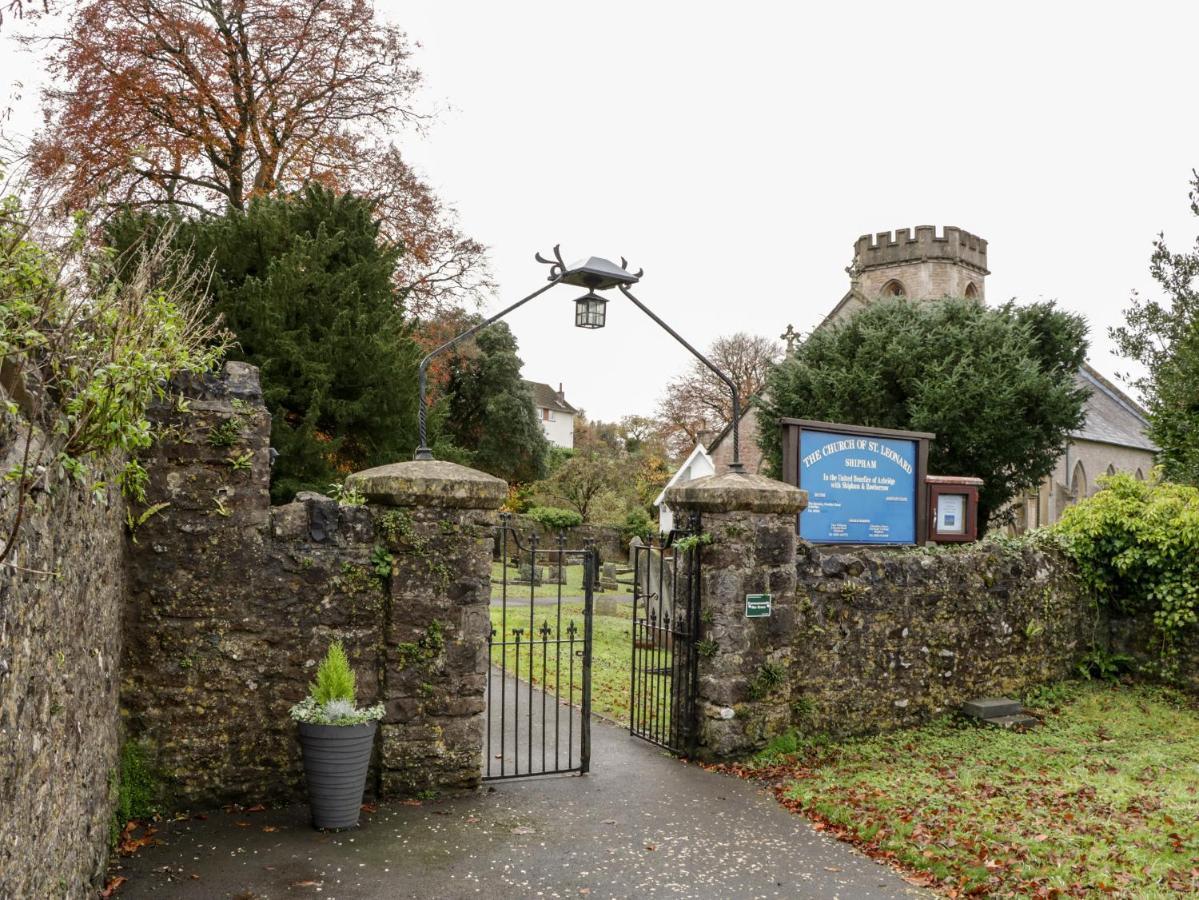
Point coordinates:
[(206, 104)]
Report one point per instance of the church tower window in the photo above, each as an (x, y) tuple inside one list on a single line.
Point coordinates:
[(893, 288)]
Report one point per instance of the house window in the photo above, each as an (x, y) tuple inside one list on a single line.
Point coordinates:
[(546, 415)]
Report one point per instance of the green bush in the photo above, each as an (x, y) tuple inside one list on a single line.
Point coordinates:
[(637, 524), (555, 517), (1137, 546)]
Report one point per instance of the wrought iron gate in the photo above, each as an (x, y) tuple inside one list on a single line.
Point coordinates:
[(665, 633), (539, 657)]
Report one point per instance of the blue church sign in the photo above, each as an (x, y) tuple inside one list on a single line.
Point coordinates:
[(864, 486)]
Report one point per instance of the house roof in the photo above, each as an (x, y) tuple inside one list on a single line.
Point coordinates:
[(545, 397), (1112, 416), (698, 452)]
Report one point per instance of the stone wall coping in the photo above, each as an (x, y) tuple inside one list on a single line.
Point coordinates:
[(429, 482), (733, 492)]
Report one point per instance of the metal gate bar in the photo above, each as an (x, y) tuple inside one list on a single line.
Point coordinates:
[(538, 717), (664, 678)]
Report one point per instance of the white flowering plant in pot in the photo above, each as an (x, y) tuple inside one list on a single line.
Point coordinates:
[(336, 737)]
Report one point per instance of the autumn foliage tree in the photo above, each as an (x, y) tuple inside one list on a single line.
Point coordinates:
[(206, 104), (698, 401)]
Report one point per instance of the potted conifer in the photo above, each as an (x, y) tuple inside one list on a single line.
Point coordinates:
[(336, 737)]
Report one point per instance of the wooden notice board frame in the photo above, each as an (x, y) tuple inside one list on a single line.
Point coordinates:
[(793, 428)]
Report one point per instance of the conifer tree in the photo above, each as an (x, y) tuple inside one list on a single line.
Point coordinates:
[(305, 283), (489, 409)]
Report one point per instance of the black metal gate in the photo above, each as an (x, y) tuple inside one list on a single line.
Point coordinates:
[(665, 633), (539, 657)]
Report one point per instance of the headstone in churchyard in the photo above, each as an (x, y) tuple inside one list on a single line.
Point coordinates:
[(634, 545), (530, 574), (608, 577)]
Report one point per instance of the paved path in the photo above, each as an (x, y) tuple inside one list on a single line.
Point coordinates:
[(642, 824)]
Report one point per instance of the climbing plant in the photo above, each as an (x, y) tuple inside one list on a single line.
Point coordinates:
[(88, 340)]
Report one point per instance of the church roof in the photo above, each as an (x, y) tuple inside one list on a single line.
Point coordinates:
[(1112, 416)]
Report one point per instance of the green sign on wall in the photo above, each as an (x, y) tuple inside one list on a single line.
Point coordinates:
[(757, 606)]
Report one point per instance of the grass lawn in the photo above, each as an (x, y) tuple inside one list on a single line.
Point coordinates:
[(611, 658), (1103, 799)]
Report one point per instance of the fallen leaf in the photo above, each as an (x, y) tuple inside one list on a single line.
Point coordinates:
[(257, 807), (269, 828), (112, 885), (651, 846), (306, 883), (523, 829), (369, 808), (242, 824)]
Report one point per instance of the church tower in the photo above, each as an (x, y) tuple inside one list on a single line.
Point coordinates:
[(917, 263)]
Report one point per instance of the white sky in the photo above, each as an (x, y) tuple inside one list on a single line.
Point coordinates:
[(736, 151)]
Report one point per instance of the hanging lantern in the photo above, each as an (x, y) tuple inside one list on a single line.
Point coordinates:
[(590, 310)]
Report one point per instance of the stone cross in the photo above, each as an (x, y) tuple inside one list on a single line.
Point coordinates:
[(791, 337)]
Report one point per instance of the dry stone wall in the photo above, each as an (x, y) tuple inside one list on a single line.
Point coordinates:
[(60, 644)]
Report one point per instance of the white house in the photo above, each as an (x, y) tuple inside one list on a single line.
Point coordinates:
[(557, 417), (697, 465)]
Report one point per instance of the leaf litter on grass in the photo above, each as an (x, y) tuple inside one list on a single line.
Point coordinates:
[(1101, 800)]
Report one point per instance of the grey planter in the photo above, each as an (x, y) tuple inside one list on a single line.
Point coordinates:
[(336, 758)]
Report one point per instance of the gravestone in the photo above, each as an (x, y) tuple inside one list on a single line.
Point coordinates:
[(530, 574)]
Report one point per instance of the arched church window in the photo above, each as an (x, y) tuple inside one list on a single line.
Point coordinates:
[(1078, 483), (893, 288), (1140, 475), (1111, 468), (971, 291)]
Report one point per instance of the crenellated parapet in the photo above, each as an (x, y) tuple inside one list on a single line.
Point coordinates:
[(907, 245)]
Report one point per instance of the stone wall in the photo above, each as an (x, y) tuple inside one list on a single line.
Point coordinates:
[(60, 644), (1136, 636), (863, 640), (232, 604), (891, 638)]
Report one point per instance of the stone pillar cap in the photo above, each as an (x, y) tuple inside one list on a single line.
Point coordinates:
[(429, 482), (733, 492)]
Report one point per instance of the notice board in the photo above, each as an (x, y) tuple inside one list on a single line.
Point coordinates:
[(865, 486)]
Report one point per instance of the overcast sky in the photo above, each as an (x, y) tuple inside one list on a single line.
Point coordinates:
[(736, 151)]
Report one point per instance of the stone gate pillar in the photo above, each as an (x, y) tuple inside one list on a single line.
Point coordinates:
[(744, 663), (436, 520)]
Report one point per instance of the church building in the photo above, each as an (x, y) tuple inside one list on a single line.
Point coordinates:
[(920, 264)]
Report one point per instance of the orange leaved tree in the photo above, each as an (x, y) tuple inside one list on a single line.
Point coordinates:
[(209, 103)]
